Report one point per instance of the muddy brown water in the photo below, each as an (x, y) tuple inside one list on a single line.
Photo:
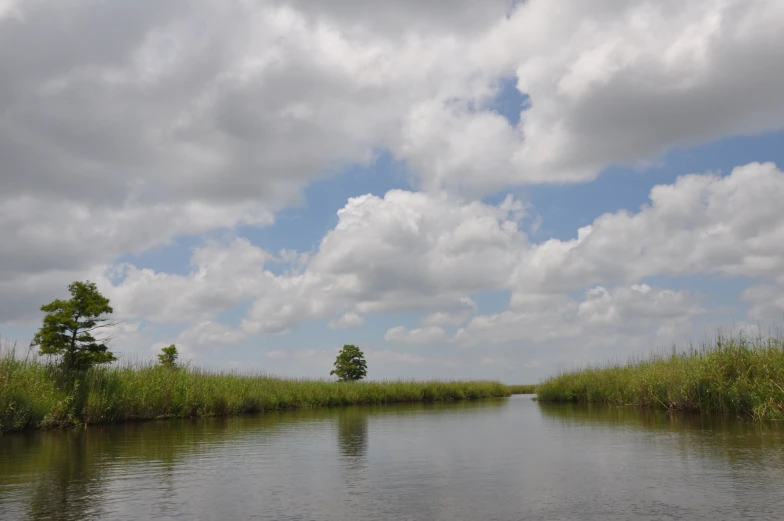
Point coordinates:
[(504, 459)]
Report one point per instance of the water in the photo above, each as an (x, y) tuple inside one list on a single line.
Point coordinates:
[(494, 460)]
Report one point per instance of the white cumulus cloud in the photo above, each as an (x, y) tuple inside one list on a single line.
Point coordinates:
[(347, 320), (424, 335)]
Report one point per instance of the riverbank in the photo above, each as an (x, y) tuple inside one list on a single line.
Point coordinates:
[(522, 389), (36, 395), (737, 375)]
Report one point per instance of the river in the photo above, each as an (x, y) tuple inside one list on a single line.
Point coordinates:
[(504, 459)]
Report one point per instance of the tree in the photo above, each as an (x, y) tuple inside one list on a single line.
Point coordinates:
[(168, 356), (350, 364), (69, 325)]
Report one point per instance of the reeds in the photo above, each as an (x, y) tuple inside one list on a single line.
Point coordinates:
[(36, 393), (522, 389), (730, 374)]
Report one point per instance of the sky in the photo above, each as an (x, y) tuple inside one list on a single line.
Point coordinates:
[(463, 189)]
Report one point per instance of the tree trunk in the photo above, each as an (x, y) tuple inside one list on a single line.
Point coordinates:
[(71, 355)]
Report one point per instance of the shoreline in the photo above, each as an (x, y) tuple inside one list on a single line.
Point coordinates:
[(38, 396), (729, 375)]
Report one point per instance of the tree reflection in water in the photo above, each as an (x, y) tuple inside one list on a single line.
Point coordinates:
[(353, 433)]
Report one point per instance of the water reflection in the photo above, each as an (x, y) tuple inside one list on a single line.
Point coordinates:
[(746, 459), (62, 472), (730, 435), (501, 459), (70, 477), (353, 433)]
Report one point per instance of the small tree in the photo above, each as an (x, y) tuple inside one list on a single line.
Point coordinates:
[(168, 356), (350, 364), (69, 325)]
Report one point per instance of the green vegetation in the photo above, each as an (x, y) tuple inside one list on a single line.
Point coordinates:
[(350, 364), (68, 328), (522, 389), (168, 356), (36, 394), (72, 387), (733, 375)]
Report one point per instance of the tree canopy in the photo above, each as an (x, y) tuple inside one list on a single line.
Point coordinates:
[(168, 356), (69, 327), (350, 364)]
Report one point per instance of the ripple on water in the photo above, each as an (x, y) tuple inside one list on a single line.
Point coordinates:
[(501, 459)]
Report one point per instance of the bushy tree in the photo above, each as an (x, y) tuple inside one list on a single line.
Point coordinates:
[(69, 327), (168, 356), (350, 364)]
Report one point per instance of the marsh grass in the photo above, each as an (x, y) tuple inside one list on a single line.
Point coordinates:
[(730, 374), (34, 393), (522, 389)]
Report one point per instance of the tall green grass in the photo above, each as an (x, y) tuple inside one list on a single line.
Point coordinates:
[(522, 389), (731, 374), (36, 394)]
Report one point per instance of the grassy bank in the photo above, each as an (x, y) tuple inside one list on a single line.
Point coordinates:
[(729, 375), (522, 389), (36, 394)]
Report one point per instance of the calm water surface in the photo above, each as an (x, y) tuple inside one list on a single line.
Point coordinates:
[(494, 460)]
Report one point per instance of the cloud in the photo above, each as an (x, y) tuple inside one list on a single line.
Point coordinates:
[(9, 9), (203, 115), (591, 74), (406, 16), (209, 335), (24, 294), (413, 251), (304, 354), (705, 224), (420, 242), (620, 310), (670, 65), (426, 335), (767, 301), (65, 235), (304, 362), (407, 250), (463, 309), (198, 340), (200, 116), (347, 320), (395, 357), (700, 224), (494, 361), (223, 277)]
